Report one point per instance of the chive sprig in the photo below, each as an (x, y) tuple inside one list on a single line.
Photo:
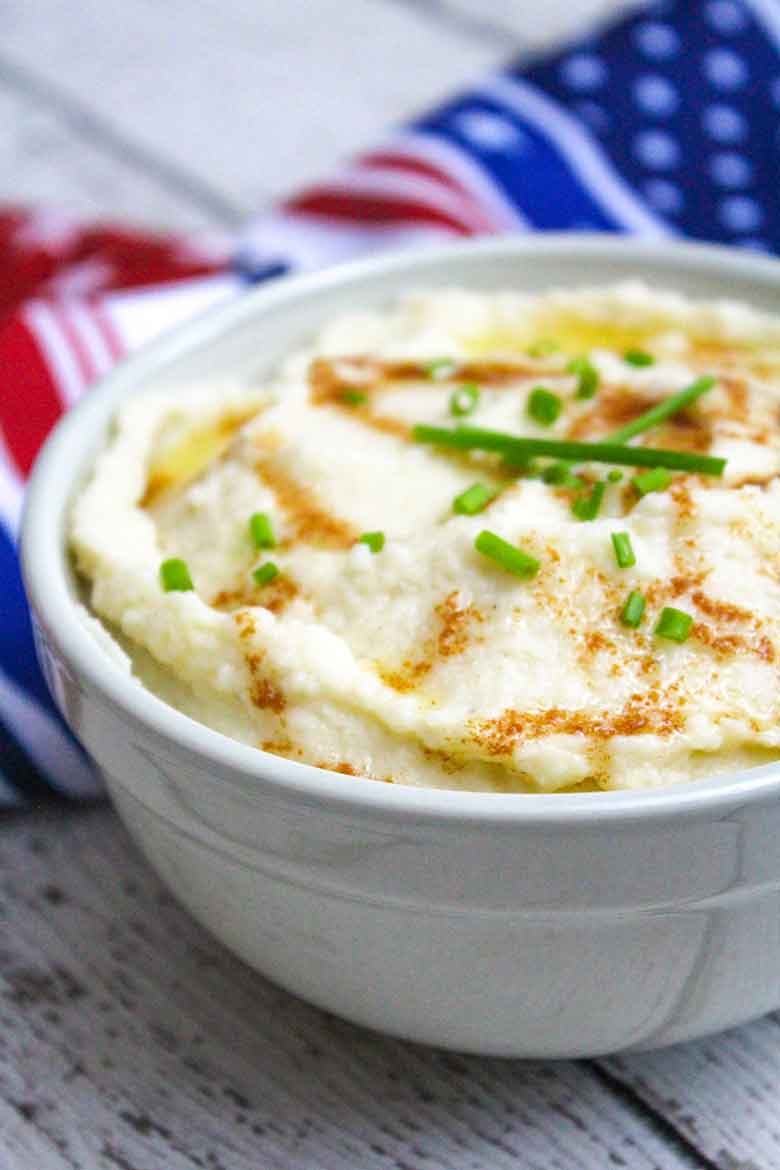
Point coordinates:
[(175, 576), (624, 550), (374, 540), (464, 400), (674, 624), (261, 530), (543, 406), (265, 573), (475, 499), (587, 507), (515, 446), (511, 558), (587, 376), (657, 479), (664, 410), (633, 610)]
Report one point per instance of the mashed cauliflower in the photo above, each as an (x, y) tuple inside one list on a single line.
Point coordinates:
[(425, 661)]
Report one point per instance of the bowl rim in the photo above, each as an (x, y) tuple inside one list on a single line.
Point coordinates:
[(254, 771)]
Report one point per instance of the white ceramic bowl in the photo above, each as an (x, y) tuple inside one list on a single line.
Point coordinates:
[(556, 925)]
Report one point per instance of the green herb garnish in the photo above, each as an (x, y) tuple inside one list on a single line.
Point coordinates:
[(633, 609), (521, 463), (674, 624), (265, 573), (463, 401), (478, 439), (475, 499), (562, 475), (261, 531), (354, 397), (175, 576), (374, 540), (624, 552), (615, 476), (587, 376), (655, 480), (508, 556), (441, 367), (664, 410), (587, 507), (543, 406), (638, 357)]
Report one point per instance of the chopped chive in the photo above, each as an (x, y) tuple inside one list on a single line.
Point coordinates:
[(557, 472), (561, 475), (587, 507), (463, 401), (587, 376), (374, 540), (440, 368), (615, 476), (543, 347), (475, 499), (543, 406), (465, 438), (175, 576), (655, 480), (638, 357), (513, 462), (507, 555), (664, 410), (354, 397), (624, 551), (633, 609), (532, 470), (674, 624), (265, 573), (261, 531)]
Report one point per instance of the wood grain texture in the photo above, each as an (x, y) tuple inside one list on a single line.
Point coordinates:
[(45, 159), (253, 100), (721, 1093), (130, 1038), (249, 99)]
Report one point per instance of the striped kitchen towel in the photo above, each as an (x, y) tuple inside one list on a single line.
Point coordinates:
[(665, 123)]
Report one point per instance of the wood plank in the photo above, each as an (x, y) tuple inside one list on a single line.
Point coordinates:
[(44, 160), (130, 1039), (252, 99), (165, 119), (721, 1093)]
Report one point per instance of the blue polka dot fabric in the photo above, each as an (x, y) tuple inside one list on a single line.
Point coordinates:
[(664, 123)]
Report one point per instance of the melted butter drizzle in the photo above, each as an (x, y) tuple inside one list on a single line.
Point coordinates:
[(652, 710), (184, 460)]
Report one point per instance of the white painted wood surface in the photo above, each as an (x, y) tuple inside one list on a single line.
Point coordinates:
[(129, 1040)]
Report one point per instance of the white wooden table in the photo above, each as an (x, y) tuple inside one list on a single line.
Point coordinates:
[(129, 1040)]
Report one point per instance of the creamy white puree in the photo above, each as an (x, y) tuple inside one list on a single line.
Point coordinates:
[(427, 664)]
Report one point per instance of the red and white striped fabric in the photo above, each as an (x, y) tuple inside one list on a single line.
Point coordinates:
[(75, 298)]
